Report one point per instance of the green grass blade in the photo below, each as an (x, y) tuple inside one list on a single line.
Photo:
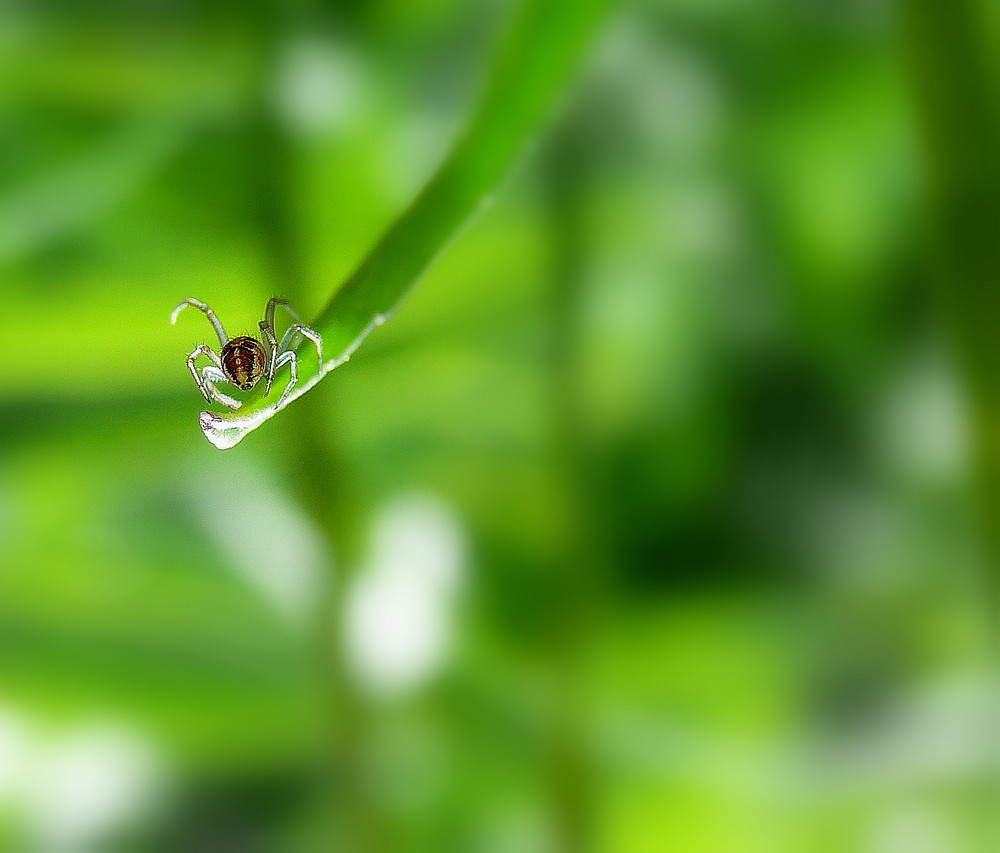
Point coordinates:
[(951, 69), (540, 52)]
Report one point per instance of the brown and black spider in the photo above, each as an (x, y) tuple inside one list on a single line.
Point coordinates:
[(242, 360)]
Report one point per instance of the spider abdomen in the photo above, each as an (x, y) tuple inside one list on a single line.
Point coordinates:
[(243, 361)]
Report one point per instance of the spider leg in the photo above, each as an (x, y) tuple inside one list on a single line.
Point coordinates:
[(269, 310), (268, 333), (208, 312), (211, 374), (206, 350), (288, 357), (305, 331), (267, 330)]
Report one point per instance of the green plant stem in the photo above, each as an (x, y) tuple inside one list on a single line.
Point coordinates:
[(957, 108), (959, 122), (576, 562), (541, 50)]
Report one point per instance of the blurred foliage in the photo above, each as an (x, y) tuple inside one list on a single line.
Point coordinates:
[(678, 413)]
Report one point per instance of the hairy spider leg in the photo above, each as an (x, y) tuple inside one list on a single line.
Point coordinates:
[(305, 331), (208, 312), (268, 332), (211, 374), (288, 357), (295, 316), (267, 329), (269, 310), (285, 346), (208, 352)]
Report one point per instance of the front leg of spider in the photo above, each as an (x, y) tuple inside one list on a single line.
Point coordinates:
[(210, 374), (204, 378)]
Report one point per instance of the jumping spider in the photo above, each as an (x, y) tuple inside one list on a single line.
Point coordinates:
[(242, 360)]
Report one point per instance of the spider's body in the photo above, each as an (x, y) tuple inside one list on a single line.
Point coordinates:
[(243, 361)]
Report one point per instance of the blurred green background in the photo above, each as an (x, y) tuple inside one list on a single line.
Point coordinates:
[(646, 524)]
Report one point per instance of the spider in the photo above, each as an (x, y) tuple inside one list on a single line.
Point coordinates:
[(242, 360)]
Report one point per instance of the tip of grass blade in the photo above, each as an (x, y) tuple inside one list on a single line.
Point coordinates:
[(222, 433), (228, 429)]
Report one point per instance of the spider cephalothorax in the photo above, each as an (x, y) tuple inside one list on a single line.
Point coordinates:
[(242, 361)]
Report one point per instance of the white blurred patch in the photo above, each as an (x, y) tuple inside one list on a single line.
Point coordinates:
[(267, 539), (15, 755), (318, 87), (670, 90), (924, 429), (398, 619), (89, 782), (65, 792), (913, 828)]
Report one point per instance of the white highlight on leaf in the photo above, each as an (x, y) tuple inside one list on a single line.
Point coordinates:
[(398, 617)]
